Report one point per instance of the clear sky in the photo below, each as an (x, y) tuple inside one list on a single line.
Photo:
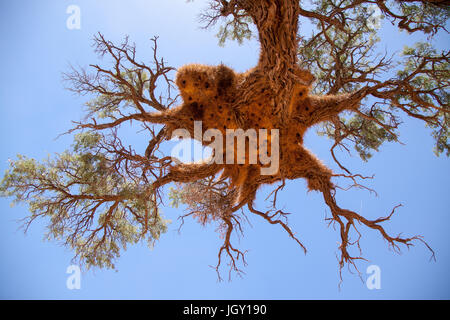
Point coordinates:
[(34, 107)]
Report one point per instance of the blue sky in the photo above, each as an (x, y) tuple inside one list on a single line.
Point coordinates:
[(35, 108)]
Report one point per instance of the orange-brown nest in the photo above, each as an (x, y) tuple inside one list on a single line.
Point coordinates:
[(223, 99)]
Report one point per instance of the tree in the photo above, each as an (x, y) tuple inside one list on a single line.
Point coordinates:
[(100, 196)]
